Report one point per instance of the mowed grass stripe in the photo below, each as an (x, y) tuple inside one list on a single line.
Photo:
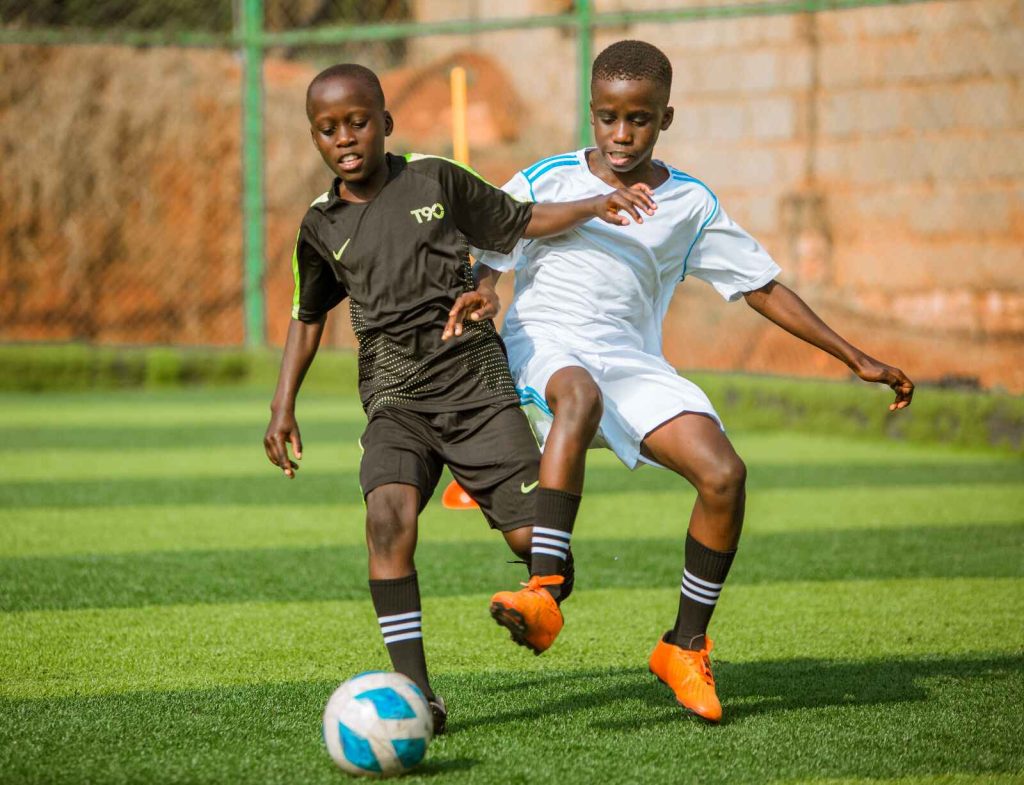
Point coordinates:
[(106, 530), (803, 721), (112, 412), (182, 462), (63, 653), (160, 448), (338, 572), (267, 487), (245, 436)]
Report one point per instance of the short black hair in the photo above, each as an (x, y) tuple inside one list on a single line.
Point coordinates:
[(359, 73), (633, 60)]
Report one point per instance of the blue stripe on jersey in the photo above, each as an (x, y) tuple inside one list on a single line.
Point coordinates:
[(528, 395), (531, 180), (685, 178), (560, 157), (553, 165)]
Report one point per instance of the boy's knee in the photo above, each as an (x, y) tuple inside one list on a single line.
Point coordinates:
[(579, 405), (390, 516), (726, 480)]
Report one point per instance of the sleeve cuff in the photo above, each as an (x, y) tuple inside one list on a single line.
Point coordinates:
[(734, 292)]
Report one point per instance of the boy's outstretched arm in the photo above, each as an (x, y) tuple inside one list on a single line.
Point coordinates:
[(481, 303), (782, 306), (299, 350), (556, 217)]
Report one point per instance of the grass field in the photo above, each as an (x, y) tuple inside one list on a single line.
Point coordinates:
[(172, 610)]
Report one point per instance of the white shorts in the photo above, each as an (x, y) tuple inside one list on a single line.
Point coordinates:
[(640, 390)]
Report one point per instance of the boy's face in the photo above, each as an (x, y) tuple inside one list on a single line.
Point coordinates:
[(348, 124), (628, 115)]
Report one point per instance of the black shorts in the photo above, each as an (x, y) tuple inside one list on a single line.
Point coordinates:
[(491, 451)]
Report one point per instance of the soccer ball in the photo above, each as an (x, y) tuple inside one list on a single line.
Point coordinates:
[(378, 724)]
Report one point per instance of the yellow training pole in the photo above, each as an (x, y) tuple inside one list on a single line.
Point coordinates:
[(460, 144)]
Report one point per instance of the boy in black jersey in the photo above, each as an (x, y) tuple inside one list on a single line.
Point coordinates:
[(392, 235)]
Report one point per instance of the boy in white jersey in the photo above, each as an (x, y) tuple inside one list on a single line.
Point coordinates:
[(584, 341)]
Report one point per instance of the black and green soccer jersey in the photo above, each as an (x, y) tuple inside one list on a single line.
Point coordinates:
[(402, 260)]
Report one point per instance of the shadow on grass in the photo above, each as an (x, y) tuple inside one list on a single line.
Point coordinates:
[(339, 572), (751, 689), (343, 486), (811, 719)]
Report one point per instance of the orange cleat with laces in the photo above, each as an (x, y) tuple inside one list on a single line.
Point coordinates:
[(531, 614), (688, 674)]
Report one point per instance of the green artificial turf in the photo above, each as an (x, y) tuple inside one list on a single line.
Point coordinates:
[(172, 610)]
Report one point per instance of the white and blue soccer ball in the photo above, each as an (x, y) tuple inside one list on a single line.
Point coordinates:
[(378, 724)]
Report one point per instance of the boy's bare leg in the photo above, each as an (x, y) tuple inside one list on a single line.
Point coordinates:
[(575, 401), (577, 405), (693, 446), (532, 614), (518, 540), (391, 514)]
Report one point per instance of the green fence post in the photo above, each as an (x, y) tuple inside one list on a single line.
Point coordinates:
[(252, 172), (584, 54)]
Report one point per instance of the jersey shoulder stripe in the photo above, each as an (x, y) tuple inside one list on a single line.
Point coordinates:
[(413, 157), (547, 168), (533, 173), (683, 177), (528, 171), (324, 197)]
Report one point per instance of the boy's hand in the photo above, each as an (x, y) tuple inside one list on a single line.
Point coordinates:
[(635, 200), (282, 431), (871, 370), (482, 303)]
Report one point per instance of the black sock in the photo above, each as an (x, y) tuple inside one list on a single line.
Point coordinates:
[(555, 517), (397, 602), (703, 577)]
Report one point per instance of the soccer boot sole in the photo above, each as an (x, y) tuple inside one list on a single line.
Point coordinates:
[(512, 620)]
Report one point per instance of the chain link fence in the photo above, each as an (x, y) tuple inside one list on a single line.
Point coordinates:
[(876, 148)]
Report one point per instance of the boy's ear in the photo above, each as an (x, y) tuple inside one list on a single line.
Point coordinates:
[(666, 119), (389, 123), (591, 105)]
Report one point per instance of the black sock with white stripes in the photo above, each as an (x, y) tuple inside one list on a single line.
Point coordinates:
[(703, 578), (549, 546), (397, 602)]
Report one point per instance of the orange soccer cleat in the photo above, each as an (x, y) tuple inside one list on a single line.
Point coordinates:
[(688, 674), (531, 614)]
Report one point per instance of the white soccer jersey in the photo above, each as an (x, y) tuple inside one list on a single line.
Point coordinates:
[(603, 285), (595, 298)]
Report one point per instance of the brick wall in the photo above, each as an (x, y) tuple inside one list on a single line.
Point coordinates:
[(878, 153)]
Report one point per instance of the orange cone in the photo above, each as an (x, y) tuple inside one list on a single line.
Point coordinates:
[(455, 498)]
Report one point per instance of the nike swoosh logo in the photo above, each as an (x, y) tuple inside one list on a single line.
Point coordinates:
[(337, 254), (524, 488)]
